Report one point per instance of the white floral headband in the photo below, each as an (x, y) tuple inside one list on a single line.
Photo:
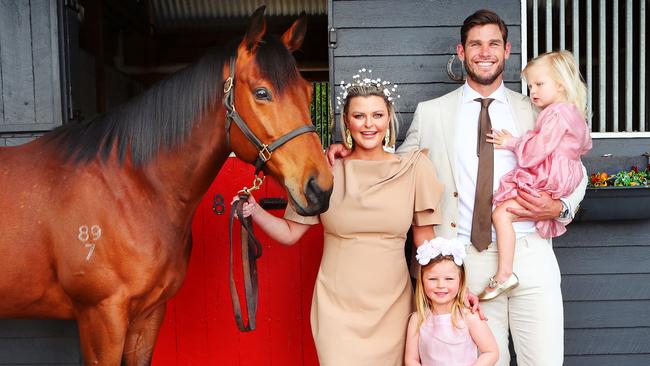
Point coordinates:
[(441, 246), (363, 78)]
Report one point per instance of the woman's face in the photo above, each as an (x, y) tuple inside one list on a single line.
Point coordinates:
[(441, 282), (368, 120)]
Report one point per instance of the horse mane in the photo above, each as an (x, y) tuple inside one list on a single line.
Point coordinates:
[(163, 116)]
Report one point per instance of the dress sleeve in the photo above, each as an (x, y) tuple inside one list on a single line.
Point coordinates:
[(536, 145), (512, 143), (428, 191), (291, 215)]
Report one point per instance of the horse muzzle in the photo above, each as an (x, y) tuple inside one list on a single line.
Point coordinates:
[(318, 199)]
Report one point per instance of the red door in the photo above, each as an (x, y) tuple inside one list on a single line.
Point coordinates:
[(199, 328)]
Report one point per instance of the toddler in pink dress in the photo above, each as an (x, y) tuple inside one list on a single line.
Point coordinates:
[(548, 157), (443, 332)]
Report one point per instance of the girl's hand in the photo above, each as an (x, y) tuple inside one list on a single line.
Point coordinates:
[(499, 138), (249, 207)]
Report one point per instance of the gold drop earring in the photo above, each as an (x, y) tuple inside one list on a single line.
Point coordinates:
[(387, 137), (348, 138)]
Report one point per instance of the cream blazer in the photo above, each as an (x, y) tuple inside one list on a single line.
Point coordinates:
[(434, 128)]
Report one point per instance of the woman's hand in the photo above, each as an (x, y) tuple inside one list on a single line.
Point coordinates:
[(279, 229), (249, 207), (499, 138)]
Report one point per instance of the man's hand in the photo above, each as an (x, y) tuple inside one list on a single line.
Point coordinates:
[(536, 208), (471, 301), (336, 151)]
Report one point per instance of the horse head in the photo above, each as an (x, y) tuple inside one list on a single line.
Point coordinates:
[(272, 98)]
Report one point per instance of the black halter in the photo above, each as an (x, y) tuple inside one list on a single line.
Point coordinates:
[(264, 151)]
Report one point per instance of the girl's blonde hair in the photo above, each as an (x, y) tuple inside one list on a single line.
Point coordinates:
[(564, 71), (366, 91), (422, 302)]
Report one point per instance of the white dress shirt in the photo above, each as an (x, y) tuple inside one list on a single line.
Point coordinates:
[(467, 162)]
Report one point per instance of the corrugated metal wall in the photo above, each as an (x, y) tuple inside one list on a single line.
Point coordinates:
[(169, 14)]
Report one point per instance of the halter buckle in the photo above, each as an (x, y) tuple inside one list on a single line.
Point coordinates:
[(227, 85), (265, 153)]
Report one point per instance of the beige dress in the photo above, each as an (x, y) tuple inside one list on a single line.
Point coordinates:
[(363, 295)]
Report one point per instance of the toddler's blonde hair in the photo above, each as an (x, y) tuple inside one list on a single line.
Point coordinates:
[(564, 71)]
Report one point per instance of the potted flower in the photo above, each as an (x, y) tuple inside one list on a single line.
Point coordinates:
[(621, 196)]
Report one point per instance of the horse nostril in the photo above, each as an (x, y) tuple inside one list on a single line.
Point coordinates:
[(316, 196)]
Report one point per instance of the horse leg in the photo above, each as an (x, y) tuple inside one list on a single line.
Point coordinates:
[(102, 329), (141, 337)]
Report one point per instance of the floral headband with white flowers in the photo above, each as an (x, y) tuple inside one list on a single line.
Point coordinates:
[(430, 249), (364, 78)]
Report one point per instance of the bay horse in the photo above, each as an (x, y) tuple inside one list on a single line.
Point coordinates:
[(96, 216)]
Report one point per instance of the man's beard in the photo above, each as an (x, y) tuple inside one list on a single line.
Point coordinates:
[(487, 80)]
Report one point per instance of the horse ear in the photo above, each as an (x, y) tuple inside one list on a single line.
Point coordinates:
[(256, 30), (295, 35)]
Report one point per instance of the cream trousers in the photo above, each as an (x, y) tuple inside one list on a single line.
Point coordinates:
[(533, 310)]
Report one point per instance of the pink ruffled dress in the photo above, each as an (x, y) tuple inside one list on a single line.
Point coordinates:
[(548, 160), (442, 344)]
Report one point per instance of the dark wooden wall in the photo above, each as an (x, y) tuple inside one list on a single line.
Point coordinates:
[(605, 265), (606, 272), (30, 94), (39, 342), (410, 42), (30, 102)]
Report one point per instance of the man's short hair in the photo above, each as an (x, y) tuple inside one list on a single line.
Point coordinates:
[(483, 17)]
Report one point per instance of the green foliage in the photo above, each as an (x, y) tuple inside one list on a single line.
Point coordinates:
[(321, 111), (631, 178), (625, 178)]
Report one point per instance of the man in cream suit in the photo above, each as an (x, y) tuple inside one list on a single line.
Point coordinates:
[(447, 126)]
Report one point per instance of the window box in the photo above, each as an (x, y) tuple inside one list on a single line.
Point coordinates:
[(622, 196), (615, 203)]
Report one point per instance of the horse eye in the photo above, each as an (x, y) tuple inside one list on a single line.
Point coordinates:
[(262, 94)]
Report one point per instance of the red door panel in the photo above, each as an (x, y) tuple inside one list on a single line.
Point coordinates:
[(199, 328)]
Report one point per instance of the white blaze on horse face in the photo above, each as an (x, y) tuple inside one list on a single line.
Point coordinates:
[(85, 235)]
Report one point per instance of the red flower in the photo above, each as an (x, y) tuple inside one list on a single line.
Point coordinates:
[(599, 179)]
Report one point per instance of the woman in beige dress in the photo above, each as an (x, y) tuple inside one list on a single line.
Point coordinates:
[(363, 295)]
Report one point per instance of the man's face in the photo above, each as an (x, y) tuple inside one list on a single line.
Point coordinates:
[(484, 54)]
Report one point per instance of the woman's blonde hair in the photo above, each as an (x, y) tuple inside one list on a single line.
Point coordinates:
[(366, 91), (564, 71), (422, 302)]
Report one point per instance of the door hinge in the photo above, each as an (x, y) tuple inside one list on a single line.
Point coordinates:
[(332, 37)]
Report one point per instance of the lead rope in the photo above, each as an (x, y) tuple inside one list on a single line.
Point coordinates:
[(251, 250)]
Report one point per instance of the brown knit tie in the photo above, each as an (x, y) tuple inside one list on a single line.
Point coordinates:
[(481, 235)]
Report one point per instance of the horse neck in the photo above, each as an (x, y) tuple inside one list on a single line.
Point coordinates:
[(182, 175)]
